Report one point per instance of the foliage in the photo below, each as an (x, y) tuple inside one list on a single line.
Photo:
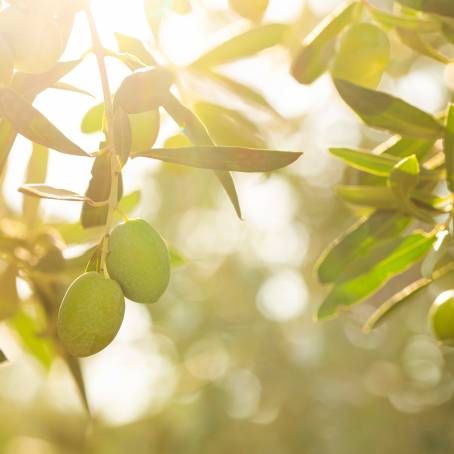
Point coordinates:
[(404, 184)]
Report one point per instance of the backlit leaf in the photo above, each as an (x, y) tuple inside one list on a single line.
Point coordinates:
[(48, 192), (359, 242), (318, 47), (442, 7), (225, 158), (244, 45), (383, 111), (33, 125), (407, 252), (363, 55)]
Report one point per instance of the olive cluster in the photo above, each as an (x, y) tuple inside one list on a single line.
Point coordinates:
[(92, 310)]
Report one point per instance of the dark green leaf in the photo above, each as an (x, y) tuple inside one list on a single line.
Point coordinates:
[(9, 299), (196, 132), (442, 7), (99, 190), (33, 125), (380, 165), (380, 110), (318, 48), (225, 158), (407, 252), (389, 306), (368, 196), (48, 192), (244, 45), (448, 148), (359, 242), (3, 358)]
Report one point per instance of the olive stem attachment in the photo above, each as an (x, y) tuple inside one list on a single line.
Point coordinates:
[(99, 53)]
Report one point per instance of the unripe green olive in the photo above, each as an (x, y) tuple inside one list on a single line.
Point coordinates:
[(441, 316), (90, 315), (35, 39), (138, 260), (144, 130), (250, 9), (6, 61)]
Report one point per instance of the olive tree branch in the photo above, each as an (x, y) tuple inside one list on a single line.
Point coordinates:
[(98, 51)]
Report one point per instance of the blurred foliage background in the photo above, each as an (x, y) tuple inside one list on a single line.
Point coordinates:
[(230, 359)]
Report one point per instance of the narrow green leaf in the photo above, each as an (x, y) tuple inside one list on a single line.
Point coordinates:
[(448, 148), (409, 251), (403, 147), (318, 47), (76, 372), (414, 23), (29, 333), (68, 87), (403, 296), (359, 242), (244, 45), (225, 158), (122, 134), (363, 55), (379, 165), (48, 192), (33, 125), (368, 196), (9, 298), (383, 111), (404, 177), (3, 358), (442, 7), (99, 191), (196, 132), (36, 173), (134, 47), (415, 41), (439, 250)]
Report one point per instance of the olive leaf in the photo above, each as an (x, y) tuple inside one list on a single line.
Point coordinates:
[(318, 47), (383, 111), (405, 253), (48, 192), (34, 125), (442, 7), (224, 158), (244, 45)]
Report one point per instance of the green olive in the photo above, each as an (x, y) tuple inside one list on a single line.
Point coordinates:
[(138, 260), (35, 39), (6, 61), (441, 316), (90, 315), (144, 130), (250, 9)]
